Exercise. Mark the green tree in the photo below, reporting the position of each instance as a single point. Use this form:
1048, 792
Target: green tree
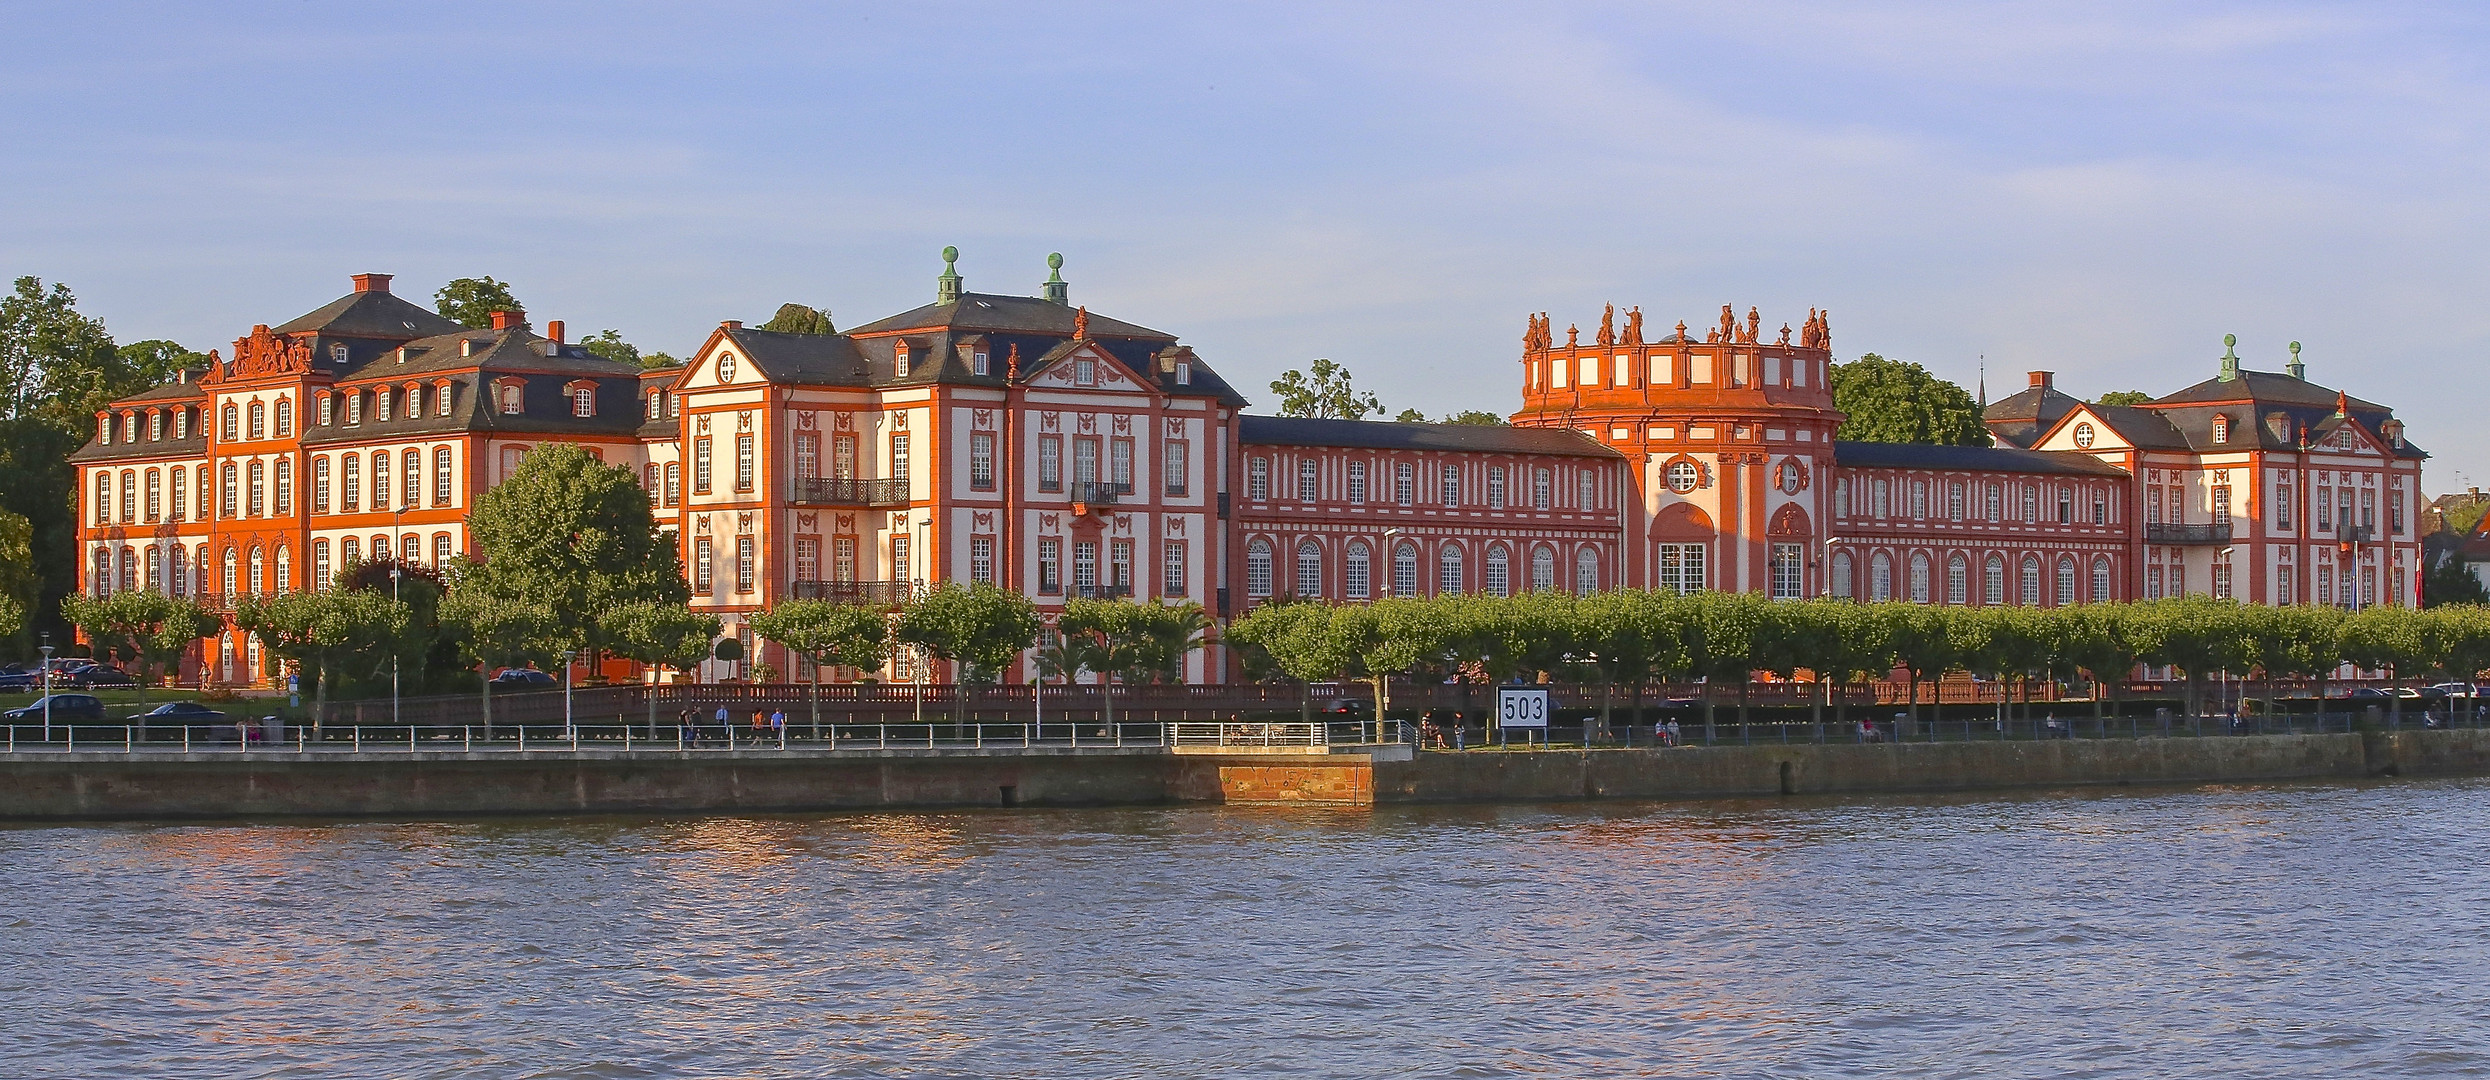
472, 301
609, 345
1298, 639
1726, 644
1471, 417
2463, 638
493, 632
57, 368
2451, 582
1922, 645
2393, 639
2294, 641
2197, 635
799, 319
19, 580
1894, 401
1131, 641
321, 631
1634, 636
576, 537
1323, 391
157, 360
147, 630
2123, 397
2093, 637
2461, 516
826, 633
980, 626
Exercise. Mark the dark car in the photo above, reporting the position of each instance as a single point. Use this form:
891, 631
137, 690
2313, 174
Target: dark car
20, 681
177, 712
1358, 708
66, 708
101, 675
523, 676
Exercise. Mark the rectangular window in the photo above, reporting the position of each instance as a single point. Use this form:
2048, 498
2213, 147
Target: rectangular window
981, 556
743, 461
1586, 490
2221, 504
1495, 487
1404, 483
1085, 567
901, 459
1954, 501
2368, 508
700, 465
903, 566
2100, 508
1050, 566
1452, 485
1996, 503
1681, 568
2394, 511
583, 401
285, 487
350, 493
652, 482
1789, 569
319, 487
1179, 467
1050, 463
1357, 482
1258, 478
980, 461
155, 494
1120, 458
1084, 461
2031, 505
1919, 498
807, 455
703, 568
807, 559
2282, 504
1541, 495
843, 559
1120, 563
2066, 506
441, 476
2152, 505
1172, 568
1841, 497
320, 565
744, 560
2221, 581
1309, 475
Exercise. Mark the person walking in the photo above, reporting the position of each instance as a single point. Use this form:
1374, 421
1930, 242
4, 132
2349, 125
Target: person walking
726, 729
778, 725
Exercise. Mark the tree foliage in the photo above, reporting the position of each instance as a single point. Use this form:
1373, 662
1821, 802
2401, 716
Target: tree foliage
1323, 391
147, 630
799, 319
979, 625
2123, 397
1894, 401
1471, 417
609, 345
472, 301
322, 631
828, 633
576, 537
2451, 582
18, 580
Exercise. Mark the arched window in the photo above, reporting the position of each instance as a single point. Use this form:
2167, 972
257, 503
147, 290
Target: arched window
129, 496
320, 565
285, 568
1448, 579
2066, 579
1586, 571
231, 502
259, 488
259, 572
1309, 569
1993, 581
100, 581
441, 476
1543, 569
285, 417
285, 486
259, 421
440, 549
1405, 570
1499, 571
1880, 577
2031, 581
155, 569
349, 552
1957, 580
380, 481
233, 423
510, 399
350, 485
177, 571
2101, 579
411, 479
1919, 578
233, 574
1842, 585
411, 551
1358, 582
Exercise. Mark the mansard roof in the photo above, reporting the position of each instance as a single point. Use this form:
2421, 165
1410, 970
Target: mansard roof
370, 313
2021, 418
996, 314
1396, 435
1873, 455
512, 350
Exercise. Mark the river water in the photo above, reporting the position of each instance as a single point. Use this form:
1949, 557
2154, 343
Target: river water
2296, 930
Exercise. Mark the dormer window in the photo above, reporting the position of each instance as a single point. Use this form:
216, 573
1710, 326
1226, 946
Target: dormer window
656, 406
181, 423
155, 426
1085, 371
979, 364
380, 405
899, 361
510, 399
583, 399
441, 398
2221, 429
103, 429
337, 353
328, 410
354, 408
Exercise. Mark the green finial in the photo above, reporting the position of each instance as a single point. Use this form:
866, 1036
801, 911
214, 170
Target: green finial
1054, 262
947, 287
2230, 358
2229, 342
2297, 369
1056, 289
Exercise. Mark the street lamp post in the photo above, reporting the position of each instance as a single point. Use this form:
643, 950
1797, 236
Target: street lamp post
47, 688
568, 729
396, 564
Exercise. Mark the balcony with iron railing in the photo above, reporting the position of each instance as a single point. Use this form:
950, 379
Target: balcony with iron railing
1098, 494
869, 593
2163, 532
1099, 592
841, 491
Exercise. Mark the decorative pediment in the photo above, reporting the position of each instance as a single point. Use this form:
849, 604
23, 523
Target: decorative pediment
265, 353
1175, 427
981, 522
807, 522
1175, 525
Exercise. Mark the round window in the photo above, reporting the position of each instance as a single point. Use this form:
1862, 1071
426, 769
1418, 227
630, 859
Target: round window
2083, 435
726, 367
1683, 476
1791, 478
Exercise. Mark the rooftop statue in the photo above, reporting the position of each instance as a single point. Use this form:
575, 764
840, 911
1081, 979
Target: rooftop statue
1608, 325
1785, 333
1634, 327
1754, 324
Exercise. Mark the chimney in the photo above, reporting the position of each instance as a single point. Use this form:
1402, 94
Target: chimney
378, 283
506, 320
2295, 367
2044, 380
730, 324
554, 330
1057, 290
183, 377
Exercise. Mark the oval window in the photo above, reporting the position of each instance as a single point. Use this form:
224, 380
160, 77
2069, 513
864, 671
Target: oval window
1683, 476
1791, 478
2083, 435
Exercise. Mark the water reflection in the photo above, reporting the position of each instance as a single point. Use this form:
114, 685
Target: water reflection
2267, 930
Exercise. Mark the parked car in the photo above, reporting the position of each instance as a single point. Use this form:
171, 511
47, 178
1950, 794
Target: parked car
66, 708
177, 712
2457, 690
101, 675
20, 681
1349, 708
524, 676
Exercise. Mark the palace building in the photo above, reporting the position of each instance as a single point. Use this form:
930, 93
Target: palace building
1022, 441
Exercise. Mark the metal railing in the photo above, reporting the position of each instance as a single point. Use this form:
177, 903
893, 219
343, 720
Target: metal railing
1100, 592
268, 736
840, 491
1095, 494
2173, 533
854, 592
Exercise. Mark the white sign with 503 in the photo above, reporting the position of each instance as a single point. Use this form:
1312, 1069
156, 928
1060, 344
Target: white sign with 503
1521, 708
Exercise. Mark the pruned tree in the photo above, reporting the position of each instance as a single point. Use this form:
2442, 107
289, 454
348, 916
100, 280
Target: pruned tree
321, 631
493, 632
826, 633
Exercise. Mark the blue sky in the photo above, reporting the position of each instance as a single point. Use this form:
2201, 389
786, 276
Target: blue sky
2103, 190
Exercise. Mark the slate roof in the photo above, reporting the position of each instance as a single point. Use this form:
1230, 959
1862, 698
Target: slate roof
2253, 402
992, 313
1871, 455
1394, 435
2022, 418
373, 314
